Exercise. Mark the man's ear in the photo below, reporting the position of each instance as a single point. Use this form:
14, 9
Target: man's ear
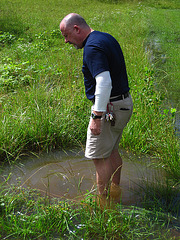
77, 28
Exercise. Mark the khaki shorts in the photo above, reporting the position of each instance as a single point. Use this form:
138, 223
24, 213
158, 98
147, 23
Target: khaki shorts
101, 146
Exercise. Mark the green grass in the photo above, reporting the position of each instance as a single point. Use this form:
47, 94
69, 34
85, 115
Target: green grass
43, 107
164, 40
25, 214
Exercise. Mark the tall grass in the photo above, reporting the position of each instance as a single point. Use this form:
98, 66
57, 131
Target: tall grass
27, 215
43, 107
42, 100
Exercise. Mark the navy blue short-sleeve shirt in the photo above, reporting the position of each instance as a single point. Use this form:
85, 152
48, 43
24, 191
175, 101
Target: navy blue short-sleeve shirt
102, 53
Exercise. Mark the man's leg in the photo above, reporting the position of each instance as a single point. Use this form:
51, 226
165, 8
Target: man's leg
115, 190
104, 172
106, 169
103, 175
116, 162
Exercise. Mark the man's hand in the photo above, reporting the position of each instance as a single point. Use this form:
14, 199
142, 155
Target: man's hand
95, 126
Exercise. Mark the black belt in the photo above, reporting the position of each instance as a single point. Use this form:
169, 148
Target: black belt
120, 97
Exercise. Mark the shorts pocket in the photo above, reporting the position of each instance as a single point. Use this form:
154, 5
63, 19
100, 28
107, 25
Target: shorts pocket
122, 118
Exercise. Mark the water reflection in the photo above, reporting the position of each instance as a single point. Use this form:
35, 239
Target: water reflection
70, 175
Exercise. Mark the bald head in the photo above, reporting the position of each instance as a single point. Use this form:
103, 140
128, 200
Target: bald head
74, 19
74, 29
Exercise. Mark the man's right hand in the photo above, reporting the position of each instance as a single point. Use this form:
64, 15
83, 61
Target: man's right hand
95, 126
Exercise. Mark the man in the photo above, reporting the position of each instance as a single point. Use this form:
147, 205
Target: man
106, 85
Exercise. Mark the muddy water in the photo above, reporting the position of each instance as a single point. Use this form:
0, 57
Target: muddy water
70, 175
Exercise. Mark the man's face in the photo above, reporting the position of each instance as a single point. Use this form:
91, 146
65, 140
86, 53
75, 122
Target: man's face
70, 35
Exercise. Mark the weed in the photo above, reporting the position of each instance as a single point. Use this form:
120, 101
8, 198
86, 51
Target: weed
6, 38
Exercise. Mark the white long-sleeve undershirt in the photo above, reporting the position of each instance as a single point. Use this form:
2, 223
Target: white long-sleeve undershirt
102, 91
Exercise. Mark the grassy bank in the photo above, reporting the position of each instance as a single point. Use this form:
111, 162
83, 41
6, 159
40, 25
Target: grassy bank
42, 99
43, 107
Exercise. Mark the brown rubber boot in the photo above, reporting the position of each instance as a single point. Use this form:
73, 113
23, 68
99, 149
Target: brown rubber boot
115, 193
